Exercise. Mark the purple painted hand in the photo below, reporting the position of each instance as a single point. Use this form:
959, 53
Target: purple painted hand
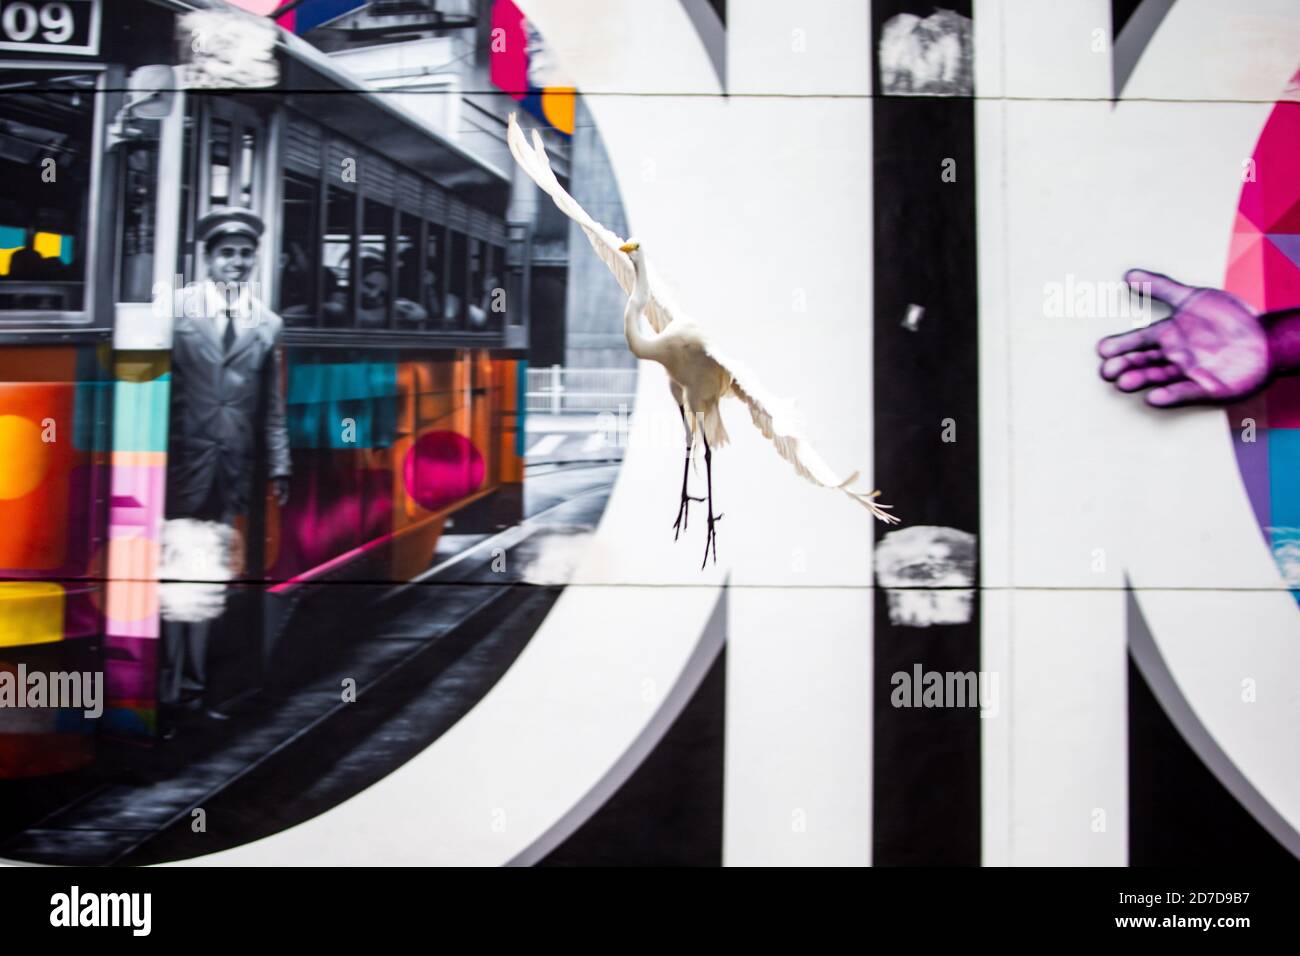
1213, 348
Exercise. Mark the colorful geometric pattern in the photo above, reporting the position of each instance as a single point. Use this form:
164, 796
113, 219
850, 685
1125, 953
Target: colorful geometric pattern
422, 437
138, 485
307, 16
31, 612
313, 13
520, 425
440, 468
344, 405
50, 245
380, 450
514, 70
53, 448
1264, 270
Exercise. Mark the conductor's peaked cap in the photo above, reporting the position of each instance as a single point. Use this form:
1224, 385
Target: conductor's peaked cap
228, 220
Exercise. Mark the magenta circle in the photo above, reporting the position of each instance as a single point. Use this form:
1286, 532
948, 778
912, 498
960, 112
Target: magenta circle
441, 467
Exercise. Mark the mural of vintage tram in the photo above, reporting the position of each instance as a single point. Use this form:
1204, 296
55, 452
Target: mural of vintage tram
403, 290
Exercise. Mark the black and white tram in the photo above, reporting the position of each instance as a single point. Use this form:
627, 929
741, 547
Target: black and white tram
387, 255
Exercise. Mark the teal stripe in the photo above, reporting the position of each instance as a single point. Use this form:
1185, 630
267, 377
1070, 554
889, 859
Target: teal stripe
91, 415
140, 414
521, 407
323, 397
309, 384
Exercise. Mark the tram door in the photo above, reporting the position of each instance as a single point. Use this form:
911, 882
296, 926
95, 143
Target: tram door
225, 163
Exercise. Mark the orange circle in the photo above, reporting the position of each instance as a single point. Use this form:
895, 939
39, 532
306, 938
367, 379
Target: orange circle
557, 104
26, 457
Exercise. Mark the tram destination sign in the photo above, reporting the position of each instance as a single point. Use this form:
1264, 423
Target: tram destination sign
50, 26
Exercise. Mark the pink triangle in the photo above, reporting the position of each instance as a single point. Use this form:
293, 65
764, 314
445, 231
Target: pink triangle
1281, 278
1241, 244
1276, 188
1245, 276
1289, 221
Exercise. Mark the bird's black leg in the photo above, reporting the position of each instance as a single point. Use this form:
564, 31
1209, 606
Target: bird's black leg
683, 510
712, 537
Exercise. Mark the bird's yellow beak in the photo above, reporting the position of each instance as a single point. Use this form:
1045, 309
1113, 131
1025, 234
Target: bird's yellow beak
629, 247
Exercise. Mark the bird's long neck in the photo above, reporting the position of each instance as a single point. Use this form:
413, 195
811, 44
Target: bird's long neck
641, 345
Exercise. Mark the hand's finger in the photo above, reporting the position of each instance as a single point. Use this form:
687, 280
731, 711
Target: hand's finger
1113, 368
1142, 338
1179, 393
1161, 286
1139, 378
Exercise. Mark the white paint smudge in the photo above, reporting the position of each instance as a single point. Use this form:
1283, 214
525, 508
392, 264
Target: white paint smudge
198, 557
927, 57
559, 556
226, 48
927, 572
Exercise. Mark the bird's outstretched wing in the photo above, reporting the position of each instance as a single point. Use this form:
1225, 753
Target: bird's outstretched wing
533, 160
774, 418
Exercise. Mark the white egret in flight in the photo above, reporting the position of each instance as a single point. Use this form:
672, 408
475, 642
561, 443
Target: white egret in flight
700, 376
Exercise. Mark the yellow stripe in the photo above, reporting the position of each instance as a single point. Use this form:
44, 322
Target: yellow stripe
31, 612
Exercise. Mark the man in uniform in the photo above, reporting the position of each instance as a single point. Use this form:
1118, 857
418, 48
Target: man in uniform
227, 405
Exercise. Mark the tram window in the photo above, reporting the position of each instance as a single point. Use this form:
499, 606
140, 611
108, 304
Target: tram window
189, 167
46, 127
479, 297
408, 274
139, 209
219, 163
497, 280
247, 166
299, 250
515, 296
376, 296
453, 314
336, 256
434, 266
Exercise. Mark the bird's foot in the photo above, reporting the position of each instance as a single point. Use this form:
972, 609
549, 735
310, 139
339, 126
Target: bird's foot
683, 514
711, 539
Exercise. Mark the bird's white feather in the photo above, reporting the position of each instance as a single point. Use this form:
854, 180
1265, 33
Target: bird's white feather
659, 311
775, 418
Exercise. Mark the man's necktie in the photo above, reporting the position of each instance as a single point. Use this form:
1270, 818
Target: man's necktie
228, 339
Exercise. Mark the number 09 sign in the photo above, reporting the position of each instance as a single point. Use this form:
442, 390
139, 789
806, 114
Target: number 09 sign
50, 26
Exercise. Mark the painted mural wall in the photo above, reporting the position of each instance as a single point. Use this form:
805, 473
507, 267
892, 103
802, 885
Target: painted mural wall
946, 519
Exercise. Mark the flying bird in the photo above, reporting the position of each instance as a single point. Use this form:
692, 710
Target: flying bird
699, 374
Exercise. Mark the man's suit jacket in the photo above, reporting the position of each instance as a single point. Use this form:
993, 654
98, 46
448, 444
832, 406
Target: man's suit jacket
222, 403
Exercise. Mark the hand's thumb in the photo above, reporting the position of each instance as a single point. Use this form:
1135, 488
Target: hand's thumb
1159, 286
